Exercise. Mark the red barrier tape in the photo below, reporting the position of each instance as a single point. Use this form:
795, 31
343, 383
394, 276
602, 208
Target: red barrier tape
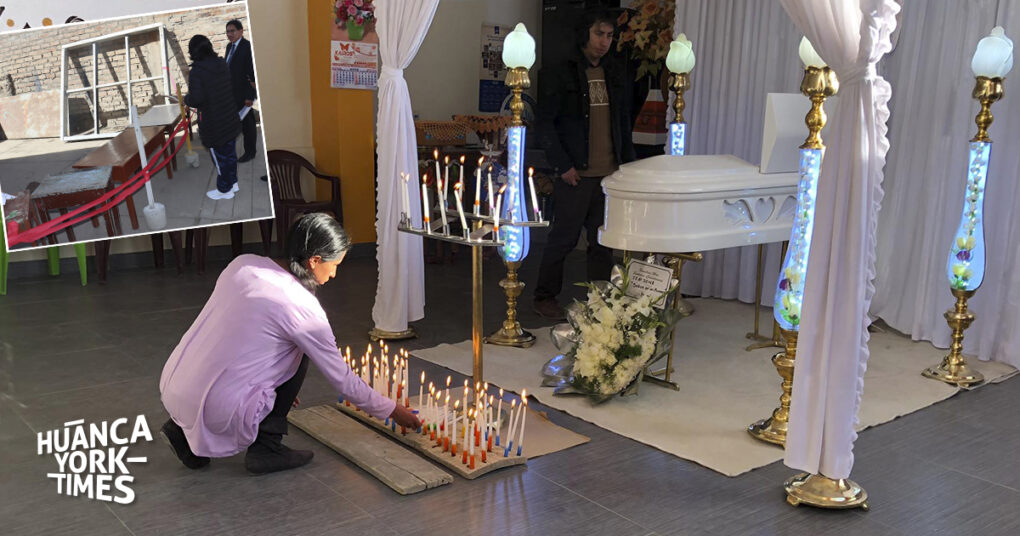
108, 200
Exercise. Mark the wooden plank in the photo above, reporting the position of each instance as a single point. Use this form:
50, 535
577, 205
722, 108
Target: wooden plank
392, 464
422, 444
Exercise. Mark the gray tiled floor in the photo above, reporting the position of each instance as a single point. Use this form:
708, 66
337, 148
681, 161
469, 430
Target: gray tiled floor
97, 352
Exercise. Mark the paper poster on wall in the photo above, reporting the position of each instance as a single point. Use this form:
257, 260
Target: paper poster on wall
354, 46
42, 13
491, 89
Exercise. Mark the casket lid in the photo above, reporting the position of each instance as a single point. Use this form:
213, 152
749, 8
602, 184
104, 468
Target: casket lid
691, 174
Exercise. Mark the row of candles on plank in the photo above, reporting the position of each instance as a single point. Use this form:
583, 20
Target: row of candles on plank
442, 189
446, 425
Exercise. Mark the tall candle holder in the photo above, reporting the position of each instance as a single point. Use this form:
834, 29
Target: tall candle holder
679, 61
965, 267
819, 82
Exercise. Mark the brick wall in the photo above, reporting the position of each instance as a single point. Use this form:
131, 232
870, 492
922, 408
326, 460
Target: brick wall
31, 61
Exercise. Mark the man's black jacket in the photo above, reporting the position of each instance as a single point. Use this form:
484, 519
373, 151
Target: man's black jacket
562, 118
209, 92
242, 72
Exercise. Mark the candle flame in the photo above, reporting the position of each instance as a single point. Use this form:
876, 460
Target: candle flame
462, 159
501, 393
423, 377
457, 187
480, 161
447, 160
501, 189
531, 171
513, 403
448, 382
456, 405
436, 154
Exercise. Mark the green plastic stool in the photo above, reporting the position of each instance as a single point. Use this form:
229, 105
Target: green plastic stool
52, 258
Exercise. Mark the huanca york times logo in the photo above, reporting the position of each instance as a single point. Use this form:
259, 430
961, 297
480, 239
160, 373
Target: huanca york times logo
92, 461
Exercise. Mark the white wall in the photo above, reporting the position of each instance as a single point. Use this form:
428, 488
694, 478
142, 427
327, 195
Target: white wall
443, 78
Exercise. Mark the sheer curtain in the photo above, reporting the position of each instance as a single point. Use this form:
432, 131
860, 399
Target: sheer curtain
400, 291
930, 69
745, 49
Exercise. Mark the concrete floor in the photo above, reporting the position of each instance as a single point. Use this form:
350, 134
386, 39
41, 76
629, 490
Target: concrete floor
96, 353
27, 160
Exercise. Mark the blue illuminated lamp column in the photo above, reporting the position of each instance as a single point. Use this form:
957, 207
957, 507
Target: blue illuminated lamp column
819, 82
518, 56
679, 61
965, 267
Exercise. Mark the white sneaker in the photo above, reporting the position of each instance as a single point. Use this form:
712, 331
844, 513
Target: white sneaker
217, 195
235, 189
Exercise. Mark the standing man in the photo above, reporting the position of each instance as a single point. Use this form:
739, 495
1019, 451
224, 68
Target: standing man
242, 75
584, 126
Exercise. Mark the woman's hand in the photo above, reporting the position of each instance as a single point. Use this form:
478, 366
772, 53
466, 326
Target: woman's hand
405, 417
297, 402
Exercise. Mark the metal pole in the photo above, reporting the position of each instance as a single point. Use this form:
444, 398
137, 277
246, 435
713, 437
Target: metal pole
476, 311
95, 90
127, 58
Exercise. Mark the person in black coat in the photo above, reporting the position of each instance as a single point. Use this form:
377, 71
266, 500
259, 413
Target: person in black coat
210, 92
242, 76
584, 124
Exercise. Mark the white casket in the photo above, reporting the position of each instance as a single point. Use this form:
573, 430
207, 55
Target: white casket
674, 204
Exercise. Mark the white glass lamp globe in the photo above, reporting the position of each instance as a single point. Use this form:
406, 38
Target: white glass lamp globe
993, 57
519, 48
681, 55
808, 54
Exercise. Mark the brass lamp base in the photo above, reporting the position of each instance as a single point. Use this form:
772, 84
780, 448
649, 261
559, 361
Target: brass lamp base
960, 374
773, 429
823, 492
520, 339
377, 334
511, 333
954, 369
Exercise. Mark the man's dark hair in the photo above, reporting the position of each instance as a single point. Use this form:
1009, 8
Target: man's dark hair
317, 234
200, 48
589, 19
236, 24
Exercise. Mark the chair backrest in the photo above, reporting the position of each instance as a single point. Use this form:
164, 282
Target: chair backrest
285, 172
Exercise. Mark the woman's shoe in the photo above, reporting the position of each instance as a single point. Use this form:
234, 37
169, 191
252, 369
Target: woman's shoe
174, 437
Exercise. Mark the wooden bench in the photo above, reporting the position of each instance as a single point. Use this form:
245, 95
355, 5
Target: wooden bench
121, 154
72, 189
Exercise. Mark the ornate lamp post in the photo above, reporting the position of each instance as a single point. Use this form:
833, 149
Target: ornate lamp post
965, 268
679, 61
518, 56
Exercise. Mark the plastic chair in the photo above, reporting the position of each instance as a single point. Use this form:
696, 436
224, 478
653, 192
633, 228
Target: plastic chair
52, 259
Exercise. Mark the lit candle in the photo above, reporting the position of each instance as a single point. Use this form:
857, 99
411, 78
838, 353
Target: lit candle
466, 428
453, 429
440, 188
499, 202
492, 204
421, 389
524, 418
435, 156
510, 429
478, 187
446, 411
461, 169
490, 424
534, 196
499, 416
403, 390
448, 386
460, 206
424, 205
466, 390
446, 179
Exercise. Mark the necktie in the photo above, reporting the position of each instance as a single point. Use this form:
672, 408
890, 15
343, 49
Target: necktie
230, 52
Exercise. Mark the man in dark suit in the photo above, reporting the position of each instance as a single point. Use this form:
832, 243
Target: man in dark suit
242, 75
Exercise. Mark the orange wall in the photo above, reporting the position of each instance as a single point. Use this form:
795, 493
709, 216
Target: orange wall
343, 131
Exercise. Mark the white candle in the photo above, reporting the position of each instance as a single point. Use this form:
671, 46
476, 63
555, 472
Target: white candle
488, 417
492, 202
534, 196
466, 428
448, 386
499, 202
510, 428
405, 199
435, 156
478, 188
446, 413
461, 169
453, 430
446, 180
524, 418
425, 203
421, 389
471, 433
466, 389
440, 188
460, 206
499, 416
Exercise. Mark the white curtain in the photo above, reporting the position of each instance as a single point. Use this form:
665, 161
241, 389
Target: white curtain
400, 292
927, 172
832, 354
744, 49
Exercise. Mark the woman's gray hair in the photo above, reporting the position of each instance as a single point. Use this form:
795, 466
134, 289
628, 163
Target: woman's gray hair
317, 234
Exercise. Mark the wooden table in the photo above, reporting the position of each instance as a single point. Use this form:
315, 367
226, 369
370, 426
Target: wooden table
121, 154
72, 189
